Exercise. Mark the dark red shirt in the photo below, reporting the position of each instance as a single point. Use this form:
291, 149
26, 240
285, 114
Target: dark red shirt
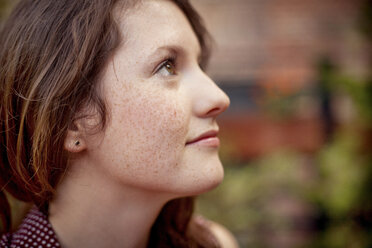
34, 232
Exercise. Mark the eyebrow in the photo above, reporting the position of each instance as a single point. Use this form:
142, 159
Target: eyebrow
175, 49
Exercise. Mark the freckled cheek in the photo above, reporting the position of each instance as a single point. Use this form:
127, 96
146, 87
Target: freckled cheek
156, 130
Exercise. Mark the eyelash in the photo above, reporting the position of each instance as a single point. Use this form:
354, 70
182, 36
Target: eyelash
171, 60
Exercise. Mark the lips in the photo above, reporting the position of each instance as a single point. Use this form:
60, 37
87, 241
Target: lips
208, 138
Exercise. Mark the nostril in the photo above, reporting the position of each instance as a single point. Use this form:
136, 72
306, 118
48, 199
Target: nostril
217, 110
219, 105
214, 111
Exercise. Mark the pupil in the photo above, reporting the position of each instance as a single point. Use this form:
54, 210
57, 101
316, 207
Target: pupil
169, 67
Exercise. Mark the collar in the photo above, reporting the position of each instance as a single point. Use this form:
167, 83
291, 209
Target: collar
35, 231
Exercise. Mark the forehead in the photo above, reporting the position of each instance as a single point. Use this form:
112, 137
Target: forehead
155, 23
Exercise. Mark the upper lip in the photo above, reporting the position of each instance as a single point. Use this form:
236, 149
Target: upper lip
208, 134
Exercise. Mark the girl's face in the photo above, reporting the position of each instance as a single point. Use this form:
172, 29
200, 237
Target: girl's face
160, 101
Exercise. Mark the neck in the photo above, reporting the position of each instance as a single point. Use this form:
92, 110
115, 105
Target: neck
90, 212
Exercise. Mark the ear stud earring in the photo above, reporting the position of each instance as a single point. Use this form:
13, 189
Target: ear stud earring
77, 143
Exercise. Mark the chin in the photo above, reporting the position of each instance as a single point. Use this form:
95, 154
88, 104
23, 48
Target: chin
211, 180
210, 187
214, 183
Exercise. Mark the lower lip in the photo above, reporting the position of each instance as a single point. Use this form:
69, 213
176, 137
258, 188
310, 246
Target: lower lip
210, 142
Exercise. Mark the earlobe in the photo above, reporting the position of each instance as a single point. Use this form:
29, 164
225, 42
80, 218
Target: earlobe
74, 145
74, 141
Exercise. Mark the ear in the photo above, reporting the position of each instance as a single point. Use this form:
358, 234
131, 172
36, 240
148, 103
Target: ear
75, 139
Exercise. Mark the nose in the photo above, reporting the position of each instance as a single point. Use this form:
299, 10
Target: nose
209, 99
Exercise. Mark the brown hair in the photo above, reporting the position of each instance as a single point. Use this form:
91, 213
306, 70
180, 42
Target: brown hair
51, 54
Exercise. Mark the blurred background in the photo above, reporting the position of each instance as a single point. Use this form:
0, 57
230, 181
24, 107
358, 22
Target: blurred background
297, 139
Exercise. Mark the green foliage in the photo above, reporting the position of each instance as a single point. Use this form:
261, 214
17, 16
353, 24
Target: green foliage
267, 196
343, 179
248, 196
359, 90
342, 175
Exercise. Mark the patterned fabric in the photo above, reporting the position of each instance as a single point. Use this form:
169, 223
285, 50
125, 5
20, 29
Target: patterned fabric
34, 232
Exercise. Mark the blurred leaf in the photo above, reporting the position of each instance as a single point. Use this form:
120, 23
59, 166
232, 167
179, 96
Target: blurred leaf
342, 175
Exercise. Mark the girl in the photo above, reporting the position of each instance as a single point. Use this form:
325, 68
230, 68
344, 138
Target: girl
108, 124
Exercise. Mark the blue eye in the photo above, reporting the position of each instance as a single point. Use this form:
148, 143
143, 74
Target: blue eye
167, 68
